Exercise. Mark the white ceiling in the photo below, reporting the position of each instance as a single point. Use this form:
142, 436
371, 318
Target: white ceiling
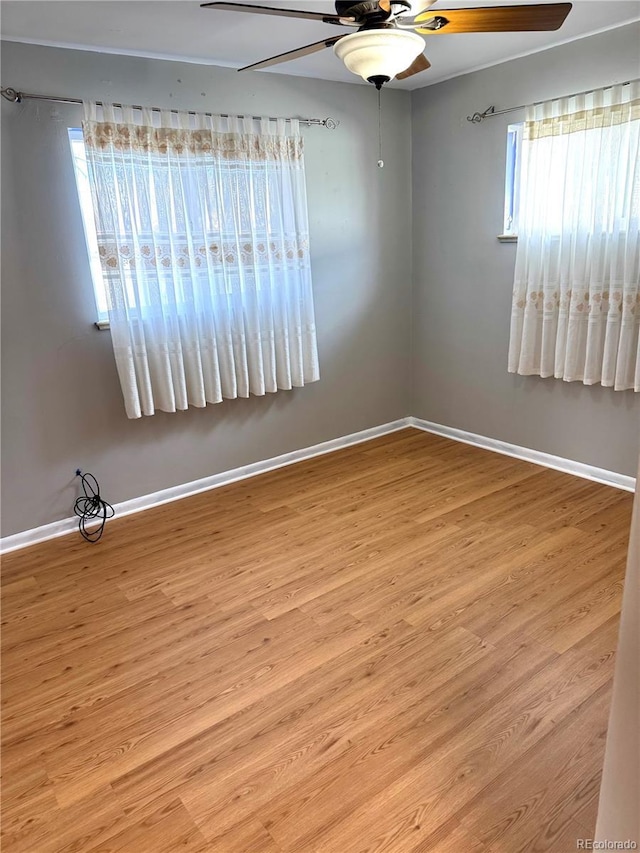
183, 31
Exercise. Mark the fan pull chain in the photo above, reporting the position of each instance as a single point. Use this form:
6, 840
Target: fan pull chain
380, 160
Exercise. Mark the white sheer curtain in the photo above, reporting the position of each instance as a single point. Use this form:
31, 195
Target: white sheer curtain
203, 238
576, 299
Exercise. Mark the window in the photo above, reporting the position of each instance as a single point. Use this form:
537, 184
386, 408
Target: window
197, 237
512, 180
576, 295
81, 170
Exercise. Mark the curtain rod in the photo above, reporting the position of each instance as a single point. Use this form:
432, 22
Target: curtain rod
16, 97
490, 112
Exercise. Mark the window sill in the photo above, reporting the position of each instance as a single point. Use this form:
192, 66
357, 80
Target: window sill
102, 325
508, 238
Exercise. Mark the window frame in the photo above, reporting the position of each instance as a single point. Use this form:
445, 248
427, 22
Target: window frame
513, 165
83, 189
85, 199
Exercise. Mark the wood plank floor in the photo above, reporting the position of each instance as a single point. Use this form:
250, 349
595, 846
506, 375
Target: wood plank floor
404, 646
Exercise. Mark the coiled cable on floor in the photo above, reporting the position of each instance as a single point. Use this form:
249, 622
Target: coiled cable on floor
91, 508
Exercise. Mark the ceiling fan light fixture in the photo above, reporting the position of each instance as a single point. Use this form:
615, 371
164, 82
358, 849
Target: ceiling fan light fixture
377, 54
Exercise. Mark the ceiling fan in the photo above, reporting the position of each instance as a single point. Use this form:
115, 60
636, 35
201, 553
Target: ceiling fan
387, 41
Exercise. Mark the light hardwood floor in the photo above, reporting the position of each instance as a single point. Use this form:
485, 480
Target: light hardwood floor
404, 646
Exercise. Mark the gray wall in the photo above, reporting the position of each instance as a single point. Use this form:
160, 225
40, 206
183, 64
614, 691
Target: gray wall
463, 276
62, 406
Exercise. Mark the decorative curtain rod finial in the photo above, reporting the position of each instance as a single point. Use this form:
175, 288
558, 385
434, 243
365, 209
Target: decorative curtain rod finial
476, 118
12, 95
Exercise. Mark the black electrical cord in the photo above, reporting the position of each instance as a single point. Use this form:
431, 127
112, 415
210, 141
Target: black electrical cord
91, 507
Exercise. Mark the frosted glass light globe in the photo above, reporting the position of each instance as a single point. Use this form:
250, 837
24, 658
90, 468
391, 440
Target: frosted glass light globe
379, 53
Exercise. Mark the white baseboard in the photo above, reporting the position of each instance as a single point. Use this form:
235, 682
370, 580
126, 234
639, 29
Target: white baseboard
547, 460
68, 525
568, 466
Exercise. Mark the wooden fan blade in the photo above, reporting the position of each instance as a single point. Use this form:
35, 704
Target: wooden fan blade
292, 54
284, 13
495, 19
418, 65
